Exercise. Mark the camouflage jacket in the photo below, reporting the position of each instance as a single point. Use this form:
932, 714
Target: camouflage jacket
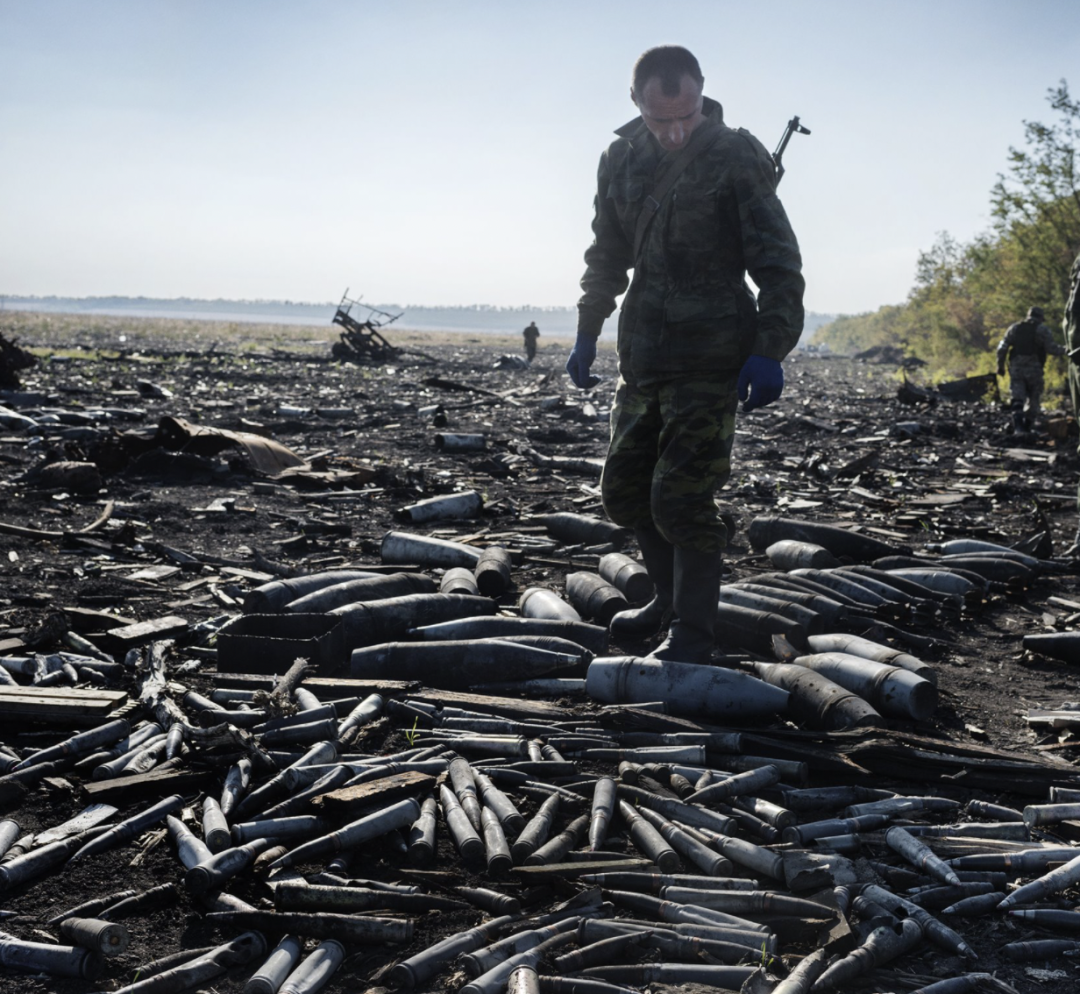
1022, 339
688, 309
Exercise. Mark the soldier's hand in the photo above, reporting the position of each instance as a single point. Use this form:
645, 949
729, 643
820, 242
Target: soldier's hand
761, 381
581, 359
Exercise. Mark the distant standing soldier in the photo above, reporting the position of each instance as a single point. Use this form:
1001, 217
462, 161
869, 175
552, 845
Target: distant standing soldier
1025, 346
530, 334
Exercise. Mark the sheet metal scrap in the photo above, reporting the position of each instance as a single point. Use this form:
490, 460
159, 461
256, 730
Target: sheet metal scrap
266, 455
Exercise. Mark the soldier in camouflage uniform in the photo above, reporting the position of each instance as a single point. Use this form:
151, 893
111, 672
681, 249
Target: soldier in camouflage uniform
690, 205
1025, 346
529, 335
1071, 326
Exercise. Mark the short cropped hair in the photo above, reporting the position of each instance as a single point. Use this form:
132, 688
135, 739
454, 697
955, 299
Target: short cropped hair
668, 63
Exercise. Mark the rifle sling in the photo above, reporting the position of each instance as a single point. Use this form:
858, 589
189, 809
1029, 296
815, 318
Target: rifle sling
707, 134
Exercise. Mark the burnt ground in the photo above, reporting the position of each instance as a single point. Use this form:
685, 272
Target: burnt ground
840, 447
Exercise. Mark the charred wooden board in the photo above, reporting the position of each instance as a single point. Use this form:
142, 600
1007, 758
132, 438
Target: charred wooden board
58, 703
130, 636
510, 707
85, 619
149, 786
627, 716
321, 685
324, 687
375, 793
908, 756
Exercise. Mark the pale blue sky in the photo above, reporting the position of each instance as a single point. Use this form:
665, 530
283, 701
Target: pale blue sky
445, 152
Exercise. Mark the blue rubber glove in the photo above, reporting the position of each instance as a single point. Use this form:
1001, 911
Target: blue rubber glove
761, 380
581, 358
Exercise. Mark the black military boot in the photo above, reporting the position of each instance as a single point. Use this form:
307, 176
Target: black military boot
692, 637
659, 557
1019, 422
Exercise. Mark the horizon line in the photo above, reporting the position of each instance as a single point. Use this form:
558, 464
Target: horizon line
12, 297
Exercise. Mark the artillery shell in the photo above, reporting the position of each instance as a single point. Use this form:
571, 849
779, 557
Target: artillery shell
99, 936
278, 965
499, 861
422, 833
215, 827
919, 855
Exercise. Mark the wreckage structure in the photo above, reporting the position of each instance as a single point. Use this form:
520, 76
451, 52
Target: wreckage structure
361, 340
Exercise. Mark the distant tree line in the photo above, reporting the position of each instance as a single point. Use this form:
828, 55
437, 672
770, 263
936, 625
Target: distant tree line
966, 295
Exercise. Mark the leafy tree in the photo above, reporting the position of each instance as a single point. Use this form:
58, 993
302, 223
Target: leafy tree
854, 333
966, 295
1036, 211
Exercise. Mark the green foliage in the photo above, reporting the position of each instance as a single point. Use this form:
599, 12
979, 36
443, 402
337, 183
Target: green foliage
966, 295
1036, 210
853, 333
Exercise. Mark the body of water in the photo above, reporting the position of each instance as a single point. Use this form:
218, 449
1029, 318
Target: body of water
556, 322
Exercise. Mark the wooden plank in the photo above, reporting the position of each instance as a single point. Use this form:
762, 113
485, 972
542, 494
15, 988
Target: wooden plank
148, 786
47, 710
160, 571
375, 793
321, 686
907, 756
512, 706
966, 470
939, 500
12, 647
84, 619
350, 687
58, 701
194, 584
248, 574
83, 692
130, 636
884, 533
869, 496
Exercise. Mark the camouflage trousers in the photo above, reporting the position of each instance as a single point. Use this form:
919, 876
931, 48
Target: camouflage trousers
670, 451
1026, 383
